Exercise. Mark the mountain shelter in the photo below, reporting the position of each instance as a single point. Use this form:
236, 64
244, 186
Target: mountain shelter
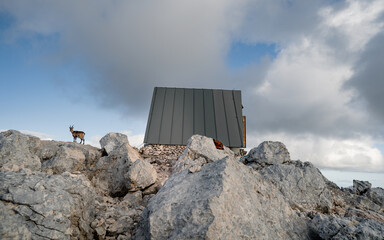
178, 113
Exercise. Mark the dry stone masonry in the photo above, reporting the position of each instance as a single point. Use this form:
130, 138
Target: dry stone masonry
163, 158
61, 190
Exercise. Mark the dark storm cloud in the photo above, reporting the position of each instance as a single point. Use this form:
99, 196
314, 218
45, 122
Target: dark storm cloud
368, 79
279, 21
127, 48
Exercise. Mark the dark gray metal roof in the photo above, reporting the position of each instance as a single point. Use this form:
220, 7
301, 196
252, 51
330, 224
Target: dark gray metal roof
178, 113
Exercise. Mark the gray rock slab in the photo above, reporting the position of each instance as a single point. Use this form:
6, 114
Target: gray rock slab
199, 151
302, 184
12, 226
268, 152
111, 141
361, 187
336, 227
368, 214
42, 206
224, 200
377, 196
140, 175
110, 172
69, 157
17, 149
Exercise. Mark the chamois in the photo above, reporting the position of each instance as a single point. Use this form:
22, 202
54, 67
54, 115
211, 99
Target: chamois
77, 134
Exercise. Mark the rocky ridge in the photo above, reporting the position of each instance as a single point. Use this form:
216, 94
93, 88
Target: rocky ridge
60, 190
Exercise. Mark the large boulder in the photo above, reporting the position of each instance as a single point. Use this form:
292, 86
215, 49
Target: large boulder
40, 206
59, 157
18, 150
302, 184
267, 153
140, 175
361, 187
224, 200
200, 150
112, 141
113, 173
376, 195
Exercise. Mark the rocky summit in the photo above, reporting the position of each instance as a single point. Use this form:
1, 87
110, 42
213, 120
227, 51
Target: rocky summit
65, 190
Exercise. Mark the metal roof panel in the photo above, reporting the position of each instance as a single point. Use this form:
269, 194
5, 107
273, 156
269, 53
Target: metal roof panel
177, 120
178, 113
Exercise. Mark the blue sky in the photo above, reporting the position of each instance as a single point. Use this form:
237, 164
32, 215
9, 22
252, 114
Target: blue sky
242, 55
45, 96
307, 79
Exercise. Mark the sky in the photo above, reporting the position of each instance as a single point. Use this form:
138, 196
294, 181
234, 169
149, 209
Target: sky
310, 71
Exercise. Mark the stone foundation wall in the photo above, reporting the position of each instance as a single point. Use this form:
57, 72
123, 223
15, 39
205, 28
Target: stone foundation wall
162, 157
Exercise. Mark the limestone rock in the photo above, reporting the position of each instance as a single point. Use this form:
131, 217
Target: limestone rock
267, 153
368, 214
63, 157
302, 184
121, 160
209, 196
345, 198
117, 219
18, 150
361, 187
133, 199
48, 149
66, 160
110, 171
140, 175
334, 227
194, 169
111, 141
200, 150
125, 151
39, 205
377, 196
224, 200
12, 226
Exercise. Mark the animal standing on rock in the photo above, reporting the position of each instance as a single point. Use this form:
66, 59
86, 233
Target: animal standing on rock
77, 134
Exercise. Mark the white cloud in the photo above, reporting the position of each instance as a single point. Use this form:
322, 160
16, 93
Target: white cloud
94, 141
357, 154
135, 140
42, 136
345, 178
357, 22
302, 91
